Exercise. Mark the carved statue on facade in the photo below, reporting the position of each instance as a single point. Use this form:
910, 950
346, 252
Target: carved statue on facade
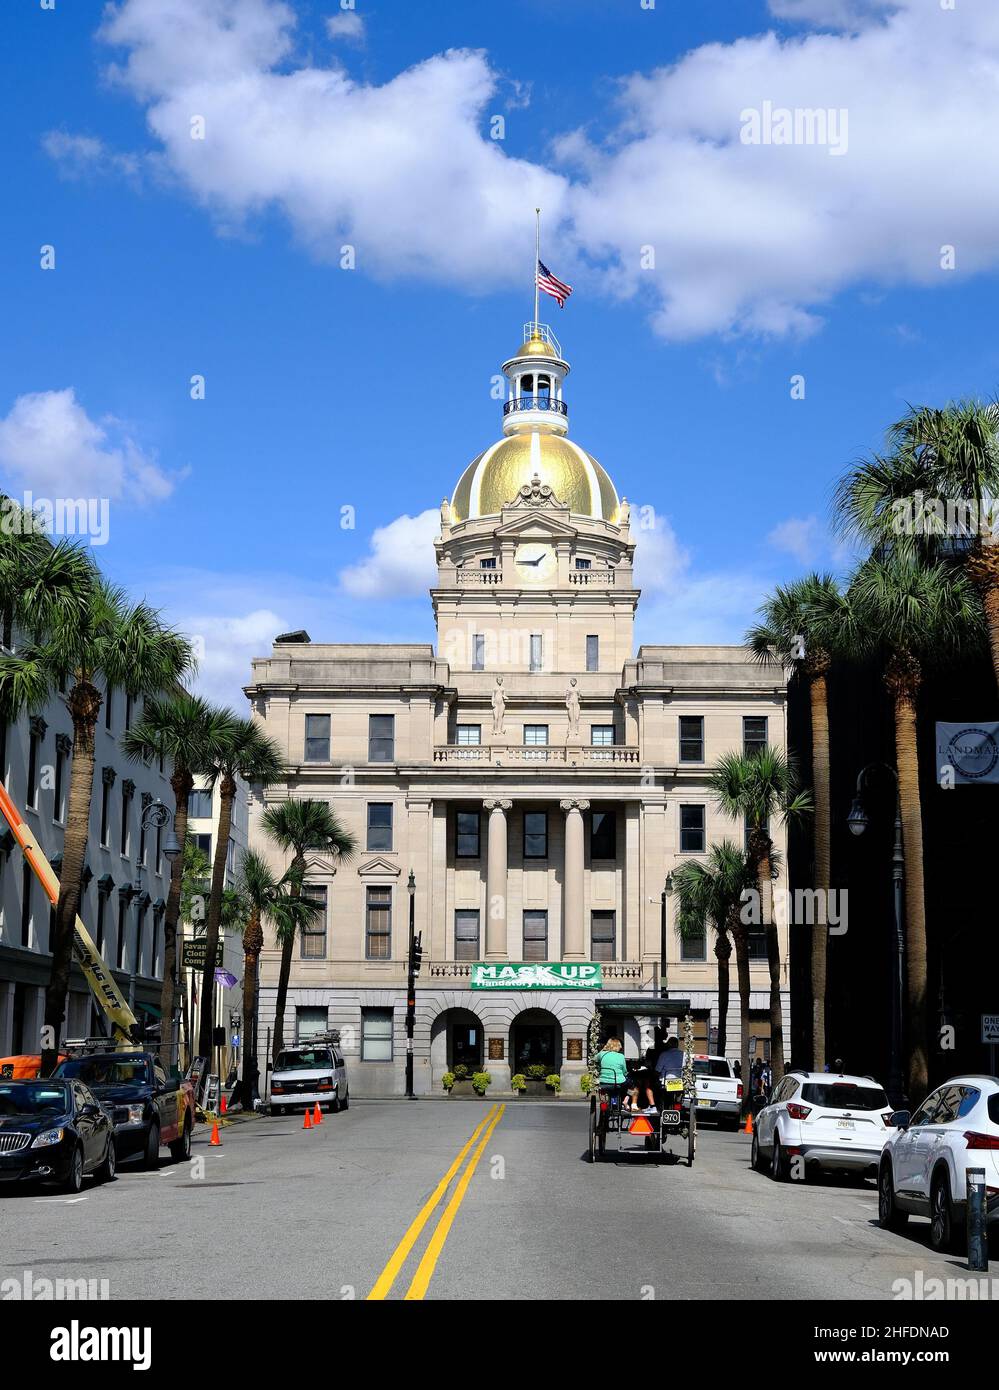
572, 706
499, 706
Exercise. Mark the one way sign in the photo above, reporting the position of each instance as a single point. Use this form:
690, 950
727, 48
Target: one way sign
990, 1028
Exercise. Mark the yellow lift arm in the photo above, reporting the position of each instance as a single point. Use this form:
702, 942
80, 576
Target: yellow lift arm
85, 953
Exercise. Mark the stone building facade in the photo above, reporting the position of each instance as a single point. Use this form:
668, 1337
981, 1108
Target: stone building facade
538, 779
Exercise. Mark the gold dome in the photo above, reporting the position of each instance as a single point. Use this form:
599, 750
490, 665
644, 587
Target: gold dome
495, 476
537, 347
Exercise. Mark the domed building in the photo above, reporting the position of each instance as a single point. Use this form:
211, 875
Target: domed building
522, 792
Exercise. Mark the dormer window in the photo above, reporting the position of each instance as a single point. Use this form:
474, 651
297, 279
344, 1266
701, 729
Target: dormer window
487, 562
583, 564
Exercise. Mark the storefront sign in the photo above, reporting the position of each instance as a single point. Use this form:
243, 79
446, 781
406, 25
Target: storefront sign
495, 1049
967, 753
537, 975
192, 953
574, 1049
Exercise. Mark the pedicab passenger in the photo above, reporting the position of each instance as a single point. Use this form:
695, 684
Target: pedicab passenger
613, 1068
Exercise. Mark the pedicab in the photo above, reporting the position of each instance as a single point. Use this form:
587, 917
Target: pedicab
668, 1131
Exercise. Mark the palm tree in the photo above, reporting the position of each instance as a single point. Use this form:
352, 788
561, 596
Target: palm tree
915, 615
261, 888
758, 789
188, 734
290, 912
801, 627
246, 752
75, 638
301, 827
711, 895
939, 460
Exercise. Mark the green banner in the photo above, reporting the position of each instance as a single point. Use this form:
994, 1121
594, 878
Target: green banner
536, 975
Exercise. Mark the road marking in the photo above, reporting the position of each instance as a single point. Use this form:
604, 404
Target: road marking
64, 1201
425, 1269
400, 1254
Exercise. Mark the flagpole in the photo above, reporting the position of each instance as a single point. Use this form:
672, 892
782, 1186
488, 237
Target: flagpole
537, 261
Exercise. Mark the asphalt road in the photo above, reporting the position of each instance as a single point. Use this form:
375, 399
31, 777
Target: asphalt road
278, 1213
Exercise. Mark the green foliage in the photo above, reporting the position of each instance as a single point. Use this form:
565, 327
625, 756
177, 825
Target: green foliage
185, 731
194, 883
586, 1083
308, 826
553, 1082
448, 1080
461, 1071
709, 894
800, 622
518, 1082
480, 1081
761, 788
536, 1071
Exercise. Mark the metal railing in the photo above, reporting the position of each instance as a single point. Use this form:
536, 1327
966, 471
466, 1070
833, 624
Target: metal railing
535, 403
534, 753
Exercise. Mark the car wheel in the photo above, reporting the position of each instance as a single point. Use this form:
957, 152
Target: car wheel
74, 1178
277, 1110
335, 1103
151, 1153
942, 1224
889, 1216
755, 1157
180, 1149
778, 1162
108, 1170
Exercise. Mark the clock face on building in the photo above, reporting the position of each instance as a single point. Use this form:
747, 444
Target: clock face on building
535, 563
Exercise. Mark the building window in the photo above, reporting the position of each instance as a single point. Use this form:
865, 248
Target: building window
127, 790
603, 835
467, 834
381, 738
537, 651
691, 738
378, 924
478, 651
310, 1022
466, 935
535, 735
145, 803
27, 885
203, 841
602, 933
313, 933
317, 738
693, 947
468, 735
159, 849
692, 829
129, 708
230, 856
122, 924
601, 735
376, 1035
199, 805
108, 707
593, 652
583, 564
101, 901
754, 734
37, 727
379, 825
108, 776
535, 935
536, 836
757, 944
487, 562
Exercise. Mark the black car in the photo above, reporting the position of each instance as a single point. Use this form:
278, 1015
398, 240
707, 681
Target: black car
146, 1107
54, 1131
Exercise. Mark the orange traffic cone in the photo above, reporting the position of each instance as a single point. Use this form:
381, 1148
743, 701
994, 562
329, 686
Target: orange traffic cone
222, 1106
307, 1123
748, 1126
216, 1140
317, 1118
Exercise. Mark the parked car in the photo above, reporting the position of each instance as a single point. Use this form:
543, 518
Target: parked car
54, 1131
312, 1074
719, 1091
831, 1122
146, 1107
923, 1170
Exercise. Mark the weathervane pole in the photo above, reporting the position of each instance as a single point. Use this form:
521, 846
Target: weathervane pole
537, 262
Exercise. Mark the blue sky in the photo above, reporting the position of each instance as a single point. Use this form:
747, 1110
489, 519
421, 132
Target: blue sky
369, 388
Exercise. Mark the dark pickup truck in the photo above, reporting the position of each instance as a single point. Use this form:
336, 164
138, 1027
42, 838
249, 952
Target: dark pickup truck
146, 1107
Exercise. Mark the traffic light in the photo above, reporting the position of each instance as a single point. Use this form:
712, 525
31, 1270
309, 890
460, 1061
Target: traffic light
417, 953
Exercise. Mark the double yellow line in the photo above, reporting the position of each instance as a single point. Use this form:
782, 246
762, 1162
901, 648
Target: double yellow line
425, 1269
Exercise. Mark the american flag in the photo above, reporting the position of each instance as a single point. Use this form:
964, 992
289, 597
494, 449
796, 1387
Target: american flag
550, 284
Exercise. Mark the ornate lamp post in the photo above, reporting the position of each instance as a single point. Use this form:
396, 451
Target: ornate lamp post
155, 815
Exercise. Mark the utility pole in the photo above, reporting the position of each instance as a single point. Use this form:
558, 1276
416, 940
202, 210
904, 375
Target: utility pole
415, 956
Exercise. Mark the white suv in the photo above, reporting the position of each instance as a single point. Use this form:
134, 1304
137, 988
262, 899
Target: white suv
925, 1162
312, 1074
828, 1121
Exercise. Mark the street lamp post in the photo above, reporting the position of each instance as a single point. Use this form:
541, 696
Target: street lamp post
155, 816
858, 821
412, 968
667, 889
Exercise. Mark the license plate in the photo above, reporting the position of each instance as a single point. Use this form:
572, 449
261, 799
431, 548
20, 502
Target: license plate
671, 1117
845, 1124
703, 1102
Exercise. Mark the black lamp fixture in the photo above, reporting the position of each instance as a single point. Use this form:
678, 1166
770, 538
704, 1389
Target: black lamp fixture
858, 820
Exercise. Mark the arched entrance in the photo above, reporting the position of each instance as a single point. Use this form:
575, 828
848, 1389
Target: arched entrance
456, 1039
535, 1040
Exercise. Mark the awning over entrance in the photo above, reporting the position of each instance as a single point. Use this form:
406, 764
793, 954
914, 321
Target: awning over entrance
651, 1008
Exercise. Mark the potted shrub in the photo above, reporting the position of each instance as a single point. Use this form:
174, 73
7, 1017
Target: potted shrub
462, 1081
447, 1081
480, 1081
554, 1082
518, 1084
535, 1075
586, 1083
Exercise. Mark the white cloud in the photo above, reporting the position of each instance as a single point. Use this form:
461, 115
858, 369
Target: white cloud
49, 444
80, 156
800, 536
660, 559
348, 25
401, 562
752, 239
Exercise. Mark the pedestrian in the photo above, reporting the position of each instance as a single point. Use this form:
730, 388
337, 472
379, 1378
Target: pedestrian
737, 1068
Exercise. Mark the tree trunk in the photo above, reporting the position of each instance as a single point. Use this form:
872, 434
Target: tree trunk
740, 937
820, 929
227, 793
723, 950
773, 960
903, 681
983, 567
182, 782
84, 704
287, 947
252, 942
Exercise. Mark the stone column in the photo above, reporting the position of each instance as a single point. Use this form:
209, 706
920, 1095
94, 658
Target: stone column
496, 869
573, 934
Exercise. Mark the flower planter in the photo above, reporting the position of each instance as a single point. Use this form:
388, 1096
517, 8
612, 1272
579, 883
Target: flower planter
462, 1088
535, 1086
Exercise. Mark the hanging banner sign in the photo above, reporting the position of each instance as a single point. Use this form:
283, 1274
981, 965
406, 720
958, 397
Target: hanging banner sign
967, 753
537, 975
192, 954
